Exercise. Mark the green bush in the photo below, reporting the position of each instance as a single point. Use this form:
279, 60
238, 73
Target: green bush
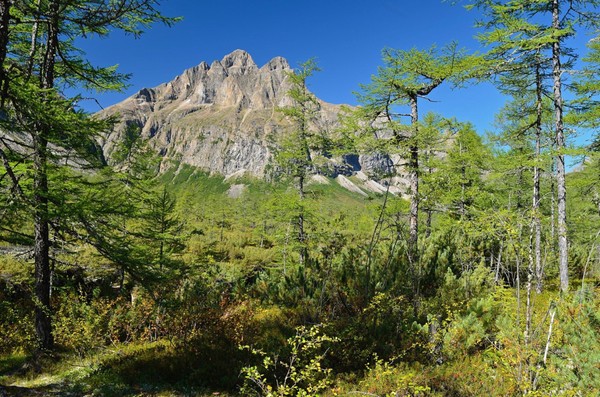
299, 371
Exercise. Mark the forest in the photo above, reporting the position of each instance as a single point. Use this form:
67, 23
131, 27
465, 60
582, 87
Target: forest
137, 276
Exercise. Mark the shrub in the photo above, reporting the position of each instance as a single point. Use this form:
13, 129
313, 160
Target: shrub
300, 371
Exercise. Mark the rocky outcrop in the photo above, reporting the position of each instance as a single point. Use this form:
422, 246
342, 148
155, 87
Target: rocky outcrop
349, 185
223, 118
220, 117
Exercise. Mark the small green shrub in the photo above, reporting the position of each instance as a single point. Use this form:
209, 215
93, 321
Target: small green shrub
298, 372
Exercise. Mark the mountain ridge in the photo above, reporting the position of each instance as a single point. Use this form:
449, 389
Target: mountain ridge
223, 118
220, 117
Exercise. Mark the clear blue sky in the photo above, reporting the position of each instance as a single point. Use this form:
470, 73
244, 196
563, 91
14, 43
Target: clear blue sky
345, 36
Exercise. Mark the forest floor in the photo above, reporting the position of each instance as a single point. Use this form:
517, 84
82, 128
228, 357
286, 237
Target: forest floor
125, 370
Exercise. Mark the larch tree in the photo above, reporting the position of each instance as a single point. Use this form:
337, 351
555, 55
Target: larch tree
406, 78
467, 159
530, 111
162, 228
587, 87
519, 27
435, 131
521, 71
42, 132
299, 149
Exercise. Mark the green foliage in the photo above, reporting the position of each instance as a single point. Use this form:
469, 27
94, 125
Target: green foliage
84, 327
573, 362
300, 371
387, 328
16, 327
465, 321
385, 379
172, 275
47, 142
587, 87
298, 152
405, 76
453, 168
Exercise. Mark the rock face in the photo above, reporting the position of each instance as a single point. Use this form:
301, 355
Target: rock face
223, 118
220, 117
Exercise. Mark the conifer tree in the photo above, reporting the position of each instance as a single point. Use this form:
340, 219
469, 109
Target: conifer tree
518, 29
435, 131
299, 149
42, 131
162, 228
405, 79
466, 161
587, 87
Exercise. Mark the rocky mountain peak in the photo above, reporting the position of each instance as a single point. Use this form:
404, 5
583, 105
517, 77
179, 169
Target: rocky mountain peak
223, 119
220, 117
203, 67
238, 62
277, 63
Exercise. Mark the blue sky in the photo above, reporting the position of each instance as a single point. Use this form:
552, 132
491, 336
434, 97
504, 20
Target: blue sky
345, 36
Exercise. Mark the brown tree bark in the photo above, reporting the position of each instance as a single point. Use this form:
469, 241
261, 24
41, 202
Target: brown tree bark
43, 323
5, 6
43, 308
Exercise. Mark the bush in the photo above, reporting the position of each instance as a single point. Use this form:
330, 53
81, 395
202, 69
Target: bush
300, 371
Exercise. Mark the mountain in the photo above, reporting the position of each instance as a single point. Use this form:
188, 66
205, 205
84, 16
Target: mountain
220, 117
223, 118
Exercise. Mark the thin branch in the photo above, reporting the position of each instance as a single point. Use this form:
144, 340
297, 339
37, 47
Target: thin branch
15, 181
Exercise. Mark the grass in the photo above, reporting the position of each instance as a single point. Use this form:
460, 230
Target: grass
183, 177
150, 369
11, 363
162, 369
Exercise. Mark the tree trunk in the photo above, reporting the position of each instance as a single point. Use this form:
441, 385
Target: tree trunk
43, 323
413, 176
429, 210
498, 264
463, 178
520, 183
537, 225
529, 308
553, 207
413, 172
301, 233
5, 6
428, 221
563, 259
34, 40
43, 310
304, 171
